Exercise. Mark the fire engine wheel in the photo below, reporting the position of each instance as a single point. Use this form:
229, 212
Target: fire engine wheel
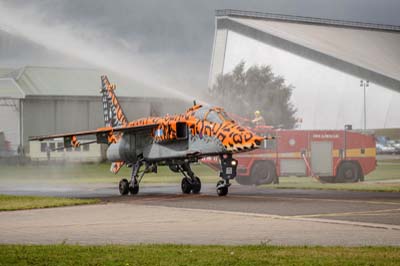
123, 187
196, 187
263, 173
186, 186
348, 172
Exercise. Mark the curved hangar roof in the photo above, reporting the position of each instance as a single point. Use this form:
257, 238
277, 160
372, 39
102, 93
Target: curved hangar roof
64, 81
370, 51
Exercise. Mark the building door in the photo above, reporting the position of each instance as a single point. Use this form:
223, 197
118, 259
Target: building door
321, 158
9, 124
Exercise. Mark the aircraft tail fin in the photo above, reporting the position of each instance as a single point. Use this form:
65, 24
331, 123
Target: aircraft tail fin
113, 114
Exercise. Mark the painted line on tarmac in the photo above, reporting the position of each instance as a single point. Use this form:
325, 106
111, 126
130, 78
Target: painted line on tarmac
347, 213
291, 218
315, 199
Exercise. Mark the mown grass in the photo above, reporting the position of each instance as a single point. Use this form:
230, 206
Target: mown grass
386, 178
12, 203
195, 255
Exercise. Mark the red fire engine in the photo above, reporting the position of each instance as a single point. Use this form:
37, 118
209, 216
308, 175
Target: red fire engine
329, 155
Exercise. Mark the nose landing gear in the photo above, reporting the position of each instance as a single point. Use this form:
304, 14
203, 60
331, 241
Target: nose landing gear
228, 171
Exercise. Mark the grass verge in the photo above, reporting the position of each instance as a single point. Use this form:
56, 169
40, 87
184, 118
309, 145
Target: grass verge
13, 203
386, 178
195, 255
312, 184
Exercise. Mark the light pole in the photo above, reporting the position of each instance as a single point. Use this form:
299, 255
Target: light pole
364, 84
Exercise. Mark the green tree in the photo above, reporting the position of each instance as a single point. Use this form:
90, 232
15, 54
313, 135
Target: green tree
257, 88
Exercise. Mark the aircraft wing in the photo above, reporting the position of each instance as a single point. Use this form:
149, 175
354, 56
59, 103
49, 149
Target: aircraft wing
103, 135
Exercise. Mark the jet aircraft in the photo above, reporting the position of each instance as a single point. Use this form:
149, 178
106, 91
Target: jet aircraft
173, 140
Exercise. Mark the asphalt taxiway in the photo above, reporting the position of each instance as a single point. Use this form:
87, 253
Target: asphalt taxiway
248, 215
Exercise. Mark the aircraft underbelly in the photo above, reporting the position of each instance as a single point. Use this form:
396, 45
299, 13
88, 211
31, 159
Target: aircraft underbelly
195, 146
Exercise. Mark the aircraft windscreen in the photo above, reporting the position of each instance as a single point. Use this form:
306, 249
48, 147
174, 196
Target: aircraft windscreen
199, 114
213, 117
225, 116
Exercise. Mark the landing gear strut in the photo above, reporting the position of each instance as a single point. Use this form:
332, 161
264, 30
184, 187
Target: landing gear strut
132, 187
190, 182
228, 171
134, 184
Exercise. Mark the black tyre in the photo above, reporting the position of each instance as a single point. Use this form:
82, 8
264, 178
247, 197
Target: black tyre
186, 186
196, 187
134, 189
221, 191
263, 173
123, 187
348, 172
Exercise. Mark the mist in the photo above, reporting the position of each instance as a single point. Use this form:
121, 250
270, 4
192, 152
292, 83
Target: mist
166, 45
161, 43
92, 47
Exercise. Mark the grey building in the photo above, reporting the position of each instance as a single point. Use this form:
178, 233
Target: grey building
38, 100
323, 59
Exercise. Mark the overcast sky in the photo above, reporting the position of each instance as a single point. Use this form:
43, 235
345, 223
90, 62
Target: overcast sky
171, 38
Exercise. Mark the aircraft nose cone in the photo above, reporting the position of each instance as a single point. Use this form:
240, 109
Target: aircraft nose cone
250, 141
258, 140
241, 139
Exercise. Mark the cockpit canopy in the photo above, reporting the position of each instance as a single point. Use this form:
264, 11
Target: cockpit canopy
214, 115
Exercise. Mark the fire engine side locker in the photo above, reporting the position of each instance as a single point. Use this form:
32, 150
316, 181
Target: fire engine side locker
321, 158
288, 150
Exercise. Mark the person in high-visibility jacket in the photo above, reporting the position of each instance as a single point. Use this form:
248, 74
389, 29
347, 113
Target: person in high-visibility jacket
258, 119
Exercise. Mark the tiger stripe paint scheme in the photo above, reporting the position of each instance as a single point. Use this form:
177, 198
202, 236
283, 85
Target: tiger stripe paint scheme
233, 137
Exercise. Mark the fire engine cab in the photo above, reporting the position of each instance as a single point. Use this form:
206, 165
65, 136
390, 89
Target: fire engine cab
338, 156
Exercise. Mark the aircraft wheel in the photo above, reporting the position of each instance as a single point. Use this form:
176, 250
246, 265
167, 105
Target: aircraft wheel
134, 189
186, 186
123, 187
221, 191
197, 186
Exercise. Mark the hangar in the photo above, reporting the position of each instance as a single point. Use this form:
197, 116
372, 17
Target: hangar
325, 60
38, 100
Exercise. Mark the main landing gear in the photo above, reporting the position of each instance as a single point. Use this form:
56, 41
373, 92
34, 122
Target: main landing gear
190, 182
132, 187
228, 171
